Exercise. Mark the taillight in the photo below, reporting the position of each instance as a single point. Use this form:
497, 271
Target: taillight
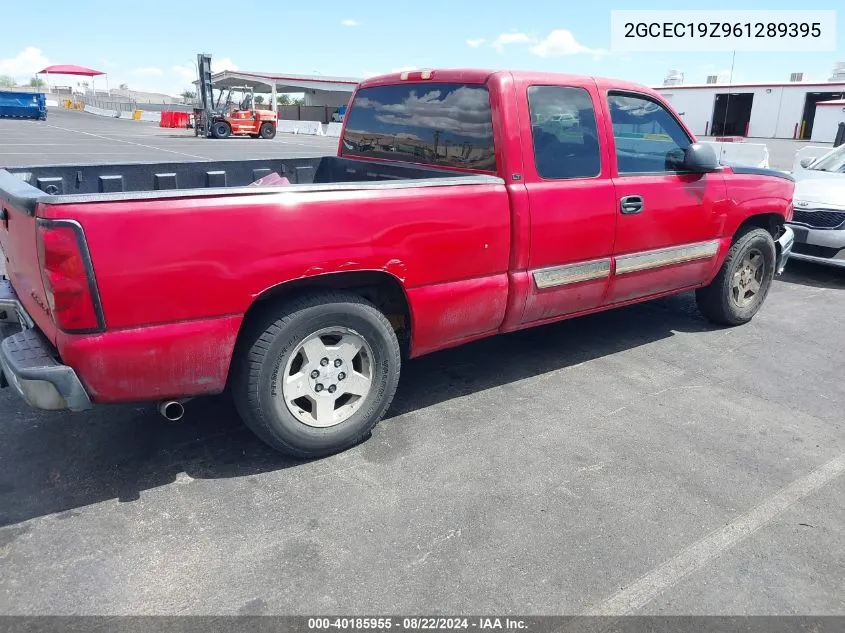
66, 279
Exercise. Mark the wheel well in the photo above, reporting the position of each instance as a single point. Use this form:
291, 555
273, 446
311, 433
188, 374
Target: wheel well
380, 288
772, 222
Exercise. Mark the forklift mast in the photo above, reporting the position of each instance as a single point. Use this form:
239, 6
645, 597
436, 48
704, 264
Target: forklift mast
206, 92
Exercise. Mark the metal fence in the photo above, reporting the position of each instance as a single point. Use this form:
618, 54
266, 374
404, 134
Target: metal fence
127, 105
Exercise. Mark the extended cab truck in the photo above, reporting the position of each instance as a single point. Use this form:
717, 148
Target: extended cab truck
461, 204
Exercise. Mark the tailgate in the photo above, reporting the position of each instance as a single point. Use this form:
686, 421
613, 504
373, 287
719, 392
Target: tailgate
19, 248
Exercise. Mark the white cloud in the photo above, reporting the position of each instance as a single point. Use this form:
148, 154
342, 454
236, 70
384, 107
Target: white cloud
25, 64
219, 65
561, 42
107, 63
349, 22
626, 58
476, 43
510, 38
186, 72
149, 71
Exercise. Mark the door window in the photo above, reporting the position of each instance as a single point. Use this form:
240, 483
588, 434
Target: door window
563, 128
648, 138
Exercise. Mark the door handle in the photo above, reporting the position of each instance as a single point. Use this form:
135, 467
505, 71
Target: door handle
629, 205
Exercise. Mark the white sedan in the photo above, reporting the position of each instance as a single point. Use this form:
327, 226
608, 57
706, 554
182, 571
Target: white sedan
819, 201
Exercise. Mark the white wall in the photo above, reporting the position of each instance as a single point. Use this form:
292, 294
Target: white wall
767, 111
826, 122
792, 110
326, 98
774, 111
694, 105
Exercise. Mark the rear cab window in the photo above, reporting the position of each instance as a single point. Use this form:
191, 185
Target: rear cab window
564, 132
443, 124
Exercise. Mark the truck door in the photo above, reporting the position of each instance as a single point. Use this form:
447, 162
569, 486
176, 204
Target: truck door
668, 222
571, 199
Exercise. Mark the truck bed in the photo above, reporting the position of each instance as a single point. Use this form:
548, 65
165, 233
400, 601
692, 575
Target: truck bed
88, 183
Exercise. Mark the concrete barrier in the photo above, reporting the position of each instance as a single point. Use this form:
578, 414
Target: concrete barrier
313, 128
811, 151
333, 129
285, 126
125, 115
754, 154
152, 117
100, 111
52, 103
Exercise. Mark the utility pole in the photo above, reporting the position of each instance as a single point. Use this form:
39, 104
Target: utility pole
730, 85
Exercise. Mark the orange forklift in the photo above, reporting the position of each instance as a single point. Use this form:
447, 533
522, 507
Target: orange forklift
224, 117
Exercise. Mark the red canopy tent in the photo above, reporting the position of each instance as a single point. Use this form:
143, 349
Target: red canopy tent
70, 69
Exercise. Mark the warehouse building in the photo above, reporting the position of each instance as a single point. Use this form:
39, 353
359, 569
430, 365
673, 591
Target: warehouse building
760, 110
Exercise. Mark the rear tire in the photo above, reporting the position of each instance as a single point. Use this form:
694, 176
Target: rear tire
743, 282
220, 129
268, 130
298, 381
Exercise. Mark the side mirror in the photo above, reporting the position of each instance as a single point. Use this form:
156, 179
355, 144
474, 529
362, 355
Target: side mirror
806, 162
700, 159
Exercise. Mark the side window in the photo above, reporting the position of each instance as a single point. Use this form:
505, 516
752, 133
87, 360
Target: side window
563, 127
648, 138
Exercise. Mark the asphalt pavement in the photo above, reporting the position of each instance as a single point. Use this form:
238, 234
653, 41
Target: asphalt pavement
635, 461
68, 136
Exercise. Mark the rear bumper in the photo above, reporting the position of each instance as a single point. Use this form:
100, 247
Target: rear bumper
29, 366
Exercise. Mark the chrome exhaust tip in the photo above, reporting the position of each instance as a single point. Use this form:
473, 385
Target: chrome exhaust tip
172, 410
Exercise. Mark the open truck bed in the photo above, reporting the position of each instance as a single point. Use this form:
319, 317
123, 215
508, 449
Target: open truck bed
88, 183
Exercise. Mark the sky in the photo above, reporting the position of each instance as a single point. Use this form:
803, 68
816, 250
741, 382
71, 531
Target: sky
152, 44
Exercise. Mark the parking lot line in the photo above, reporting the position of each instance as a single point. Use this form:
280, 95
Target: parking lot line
106, 138
651, 585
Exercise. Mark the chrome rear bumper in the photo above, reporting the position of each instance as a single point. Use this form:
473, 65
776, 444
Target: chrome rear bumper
28, 363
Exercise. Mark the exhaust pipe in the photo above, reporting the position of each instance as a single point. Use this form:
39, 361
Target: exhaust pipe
172, 410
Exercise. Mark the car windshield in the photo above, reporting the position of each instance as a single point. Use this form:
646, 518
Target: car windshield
832, 161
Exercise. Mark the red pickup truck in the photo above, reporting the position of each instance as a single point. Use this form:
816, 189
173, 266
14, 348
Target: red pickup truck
461, 204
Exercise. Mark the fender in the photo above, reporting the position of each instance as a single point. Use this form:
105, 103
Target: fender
764, 206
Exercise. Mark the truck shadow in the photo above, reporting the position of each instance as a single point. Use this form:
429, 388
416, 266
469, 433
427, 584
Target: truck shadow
55, 463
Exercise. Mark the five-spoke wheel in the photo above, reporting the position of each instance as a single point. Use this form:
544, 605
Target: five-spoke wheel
328, 377
747, 281
742, 283
313, 376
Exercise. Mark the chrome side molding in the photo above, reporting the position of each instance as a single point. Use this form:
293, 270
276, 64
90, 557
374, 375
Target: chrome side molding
571, 273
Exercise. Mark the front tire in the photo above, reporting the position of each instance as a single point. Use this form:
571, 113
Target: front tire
315, 377
221, 130
743, 282
267, 131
